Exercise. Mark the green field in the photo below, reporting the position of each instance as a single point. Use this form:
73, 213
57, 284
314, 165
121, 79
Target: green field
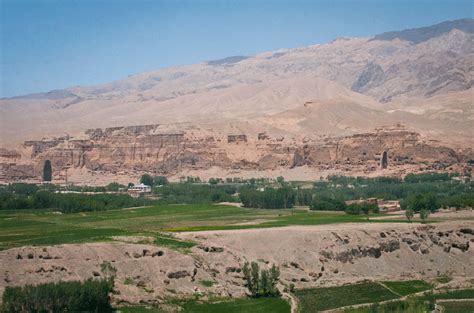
44, 227
458, 306
451, 294
407, 306
260, 305
318, 299
405, 288
326, 298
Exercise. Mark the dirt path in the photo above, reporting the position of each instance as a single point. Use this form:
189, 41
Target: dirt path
290, 298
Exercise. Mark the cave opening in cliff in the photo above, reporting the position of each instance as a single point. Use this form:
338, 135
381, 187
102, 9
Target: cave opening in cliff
384, 160
47, 171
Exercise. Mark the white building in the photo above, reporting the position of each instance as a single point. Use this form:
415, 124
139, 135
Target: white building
139, 189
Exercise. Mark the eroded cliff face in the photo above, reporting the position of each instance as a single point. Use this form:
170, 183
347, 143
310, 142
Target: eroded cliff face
146, 149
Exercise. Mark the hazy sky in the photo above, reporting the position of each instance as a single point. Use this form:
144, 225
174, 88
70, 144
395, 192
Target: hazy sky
52, 44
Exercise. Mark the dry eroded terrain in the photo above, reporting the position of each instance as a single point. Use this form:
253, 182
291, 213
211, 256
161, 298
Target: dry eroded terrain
308, 256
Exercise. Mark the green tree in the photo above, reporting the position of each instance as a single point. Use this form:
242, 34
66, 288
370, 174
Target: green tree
43, 199
265, 283
213, 181
146, 179
366, 210
274, 277
417, 202
255, 271
247, 275
114, 186
431, 203
424, 213
409, 214
160, 181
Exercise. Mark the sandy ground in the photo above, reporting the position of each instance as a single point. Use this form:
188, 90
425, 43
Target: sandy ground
308, 256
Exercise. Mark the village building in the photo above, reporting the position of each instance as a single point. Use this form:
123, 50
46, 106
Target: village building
139, 190
388, 206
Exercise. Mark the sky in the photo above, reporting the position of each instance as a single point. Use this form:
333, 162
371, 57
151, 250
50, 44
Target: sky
55, 44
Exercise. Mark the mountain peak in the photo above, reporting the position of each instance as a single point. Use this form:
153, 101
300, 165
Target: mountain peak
417, 35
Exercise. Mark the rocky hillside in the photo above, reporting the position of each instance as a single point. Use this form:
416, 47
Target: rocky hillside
330, 255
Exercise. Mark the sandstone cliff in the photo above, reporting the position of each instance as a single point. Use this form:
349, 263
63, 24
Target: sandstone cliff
145, 149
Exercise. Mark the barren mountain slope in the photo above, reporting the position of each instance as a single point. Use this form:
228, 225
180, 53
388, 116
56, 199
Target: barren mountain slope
390, 71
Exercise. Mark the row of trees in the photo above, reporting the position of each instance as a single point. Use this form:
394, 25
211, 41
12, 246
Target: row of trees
447, 192
410, 214
68, 203
270, 198
362, 208
327, 203
73, 296
192, 193
153, 181
421, 201
429, 191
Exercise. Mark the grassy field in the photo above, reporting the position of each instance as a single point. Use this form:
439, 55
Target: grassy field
405, 288
318, 299
260, 305
43, 227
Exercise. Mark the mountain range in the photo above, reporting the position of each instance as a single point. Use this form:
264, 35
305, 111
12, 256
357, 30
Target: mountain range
419, 77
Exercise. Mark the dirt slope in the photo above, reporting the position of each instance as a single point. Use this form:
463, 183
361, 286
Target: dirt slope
307, 256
